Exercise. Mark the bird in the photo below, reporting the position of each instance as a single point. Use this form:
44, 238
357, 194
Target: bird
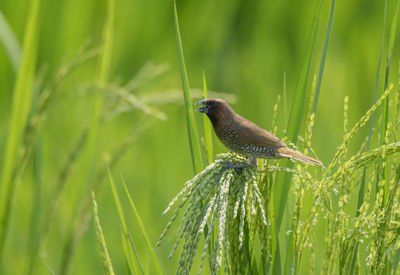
244, 137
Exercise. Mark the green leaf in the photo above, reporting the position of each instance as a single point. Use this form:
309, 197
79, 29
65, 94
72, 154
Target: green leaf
142, 230
207, 126
125, 232
296, 115
191, 123
10, 42
20, 108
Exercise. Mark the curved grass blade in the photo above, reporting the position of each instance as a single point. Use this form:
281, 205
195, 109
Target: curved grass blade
289, 254
125, 232
392, 40
19, 113
89, 149
191, 123
141, 226
102, 73
324, 51
362, 184
296, 114
10, 42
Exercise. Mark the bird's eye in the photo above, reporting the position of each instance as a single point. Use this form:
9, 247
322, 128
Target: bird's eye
213, 103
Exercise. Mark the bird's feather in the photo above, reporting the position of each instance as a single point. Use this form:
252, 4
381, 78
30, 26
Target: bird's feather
250, 133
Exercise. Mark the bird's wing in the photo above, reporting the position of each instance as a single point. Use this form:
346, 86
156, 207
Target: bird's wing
250, 133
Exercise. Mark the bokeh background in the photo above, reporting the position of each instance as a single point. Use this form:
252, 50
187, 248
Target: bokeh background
250, 49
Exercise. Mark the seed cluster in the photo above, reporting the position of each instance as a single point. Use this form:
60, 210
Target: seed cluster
221, 204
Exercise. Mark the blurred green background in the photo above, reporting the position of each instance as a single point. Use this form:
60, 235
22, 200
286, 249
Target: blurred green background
251, 49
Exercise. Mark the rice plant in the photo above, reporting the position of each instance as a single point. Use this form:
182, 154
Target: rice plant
238, 206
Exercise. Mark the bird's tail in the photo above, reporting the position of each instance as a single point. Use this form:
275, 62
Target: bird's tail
286, 152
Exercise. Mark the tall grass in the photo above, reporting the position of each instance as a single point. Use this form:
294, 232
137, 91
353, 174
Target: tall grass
214, 193
108, 268
10, 42
19, 114
237, 206
284, 218
194, 142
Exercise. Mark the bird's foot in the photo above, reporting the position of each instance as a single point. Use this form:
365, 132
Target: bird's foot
237, 167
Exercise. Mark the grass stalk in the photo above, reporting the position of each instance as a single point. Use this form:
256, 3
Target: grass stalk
89, 149
324, 52
384, 129
296, 113
126, 236
10, 42
102, 74
142, 229
194, 142
360, 200
108, 267
34, 233
21, 104
207, 126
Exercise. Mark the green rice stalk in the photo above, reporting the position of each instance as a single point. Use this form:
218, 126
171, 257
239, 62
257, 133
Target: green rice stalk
324, 52
89, 147
21, 104
392, 39
34, 232
132, 267
363, 120
10, 42
284, 100
102, 74
194, 143
133, 101
38, 115
142, 229
362, 184
231, 203
275, 114
126, 235
108, 268
207, 126
296, 114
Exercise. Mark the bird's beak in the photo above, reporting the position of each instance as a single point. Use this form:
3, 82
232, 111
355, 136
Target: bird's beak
202, 109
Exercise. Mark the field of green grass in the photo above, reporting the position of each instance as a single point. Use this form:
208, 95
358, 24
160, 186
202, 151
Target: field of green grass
98, 135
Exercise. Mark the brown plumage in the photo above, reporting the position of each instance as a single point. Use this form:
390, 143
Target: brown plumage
244, 137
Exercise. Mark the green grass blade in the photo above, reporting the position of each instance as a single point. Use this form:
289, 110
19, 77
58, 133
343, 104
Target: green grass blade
324, 52
108, 268
207, 126
121, 215
396, 260
276, 254
191, 122
289, 252
361, 191
392, 40
132, 267
102, 73
34, 232
21, 104
371, 125
142, 229
296, 114
10, 42
88, 154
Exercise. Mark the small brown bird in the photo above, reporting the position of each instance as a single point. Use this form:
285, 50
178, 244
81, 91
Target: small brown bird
244, 137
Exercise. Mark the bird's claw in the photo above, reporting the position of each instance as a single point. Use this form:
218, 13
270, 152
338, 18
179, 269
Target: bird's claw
237, 167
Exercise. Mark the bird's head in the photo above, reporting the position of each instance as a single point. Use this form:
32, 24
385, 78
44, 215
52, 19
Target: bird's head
216, 109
